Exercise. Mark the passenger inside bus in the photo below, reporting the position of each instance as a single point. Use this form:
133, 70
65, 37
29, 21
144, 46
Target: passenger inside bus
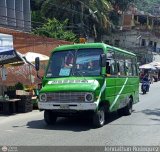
69, 60
108, 72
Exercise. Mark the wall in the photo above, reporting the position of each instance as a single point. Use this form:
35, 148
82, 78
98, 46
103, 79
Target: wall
24, 42
15, 14
132, 41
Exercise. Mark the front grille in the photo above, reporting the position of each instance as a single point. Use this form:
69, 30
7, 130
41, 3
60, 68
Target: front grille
64, 97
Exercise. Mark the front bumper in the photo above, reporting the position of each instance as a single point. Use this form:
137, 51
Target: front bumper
67, 106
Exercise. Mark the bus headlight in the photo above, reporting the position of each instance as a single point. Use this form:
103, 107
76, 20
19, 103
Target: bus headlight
89, 97
43, 97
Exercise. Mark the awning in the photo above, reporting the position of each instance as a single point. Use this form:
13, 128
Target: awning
147, 66
30, 57
10, 56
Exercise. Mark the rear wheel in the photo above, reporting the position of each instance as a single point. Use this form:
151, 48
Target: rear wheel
49, 117
127, 110
99, 117
144, 92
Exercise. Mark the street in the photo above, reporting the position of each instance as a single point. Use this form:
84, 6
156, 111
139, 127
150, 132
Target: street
141, 128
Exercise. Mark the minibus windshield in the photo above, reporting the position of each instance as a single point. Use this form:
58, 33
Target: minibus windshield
81, 62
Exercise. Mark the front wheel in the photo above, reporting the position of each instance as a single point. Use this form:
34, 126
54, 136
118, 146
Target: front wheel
99, 117
49, 117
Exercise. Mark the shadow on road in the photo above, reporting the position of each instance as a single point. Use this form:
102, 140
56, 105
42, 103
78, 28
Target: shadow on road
71, 124
155, 112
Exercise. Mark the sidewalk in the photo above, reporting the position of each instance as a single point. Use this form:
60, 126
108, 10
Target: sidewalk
2, 117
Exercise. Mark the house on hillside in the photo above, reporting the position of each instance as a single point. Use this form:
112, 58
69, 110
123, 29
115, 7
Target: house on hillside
138, 32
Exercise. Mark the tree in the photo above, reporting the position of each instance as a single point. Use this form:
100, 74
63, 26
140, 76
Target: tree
80, 13
85, 17
55, 29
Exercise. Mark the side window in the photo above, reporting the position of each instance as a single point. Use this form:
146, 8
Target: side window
110, 54
121, 65
128, 67
111, 68
134, 68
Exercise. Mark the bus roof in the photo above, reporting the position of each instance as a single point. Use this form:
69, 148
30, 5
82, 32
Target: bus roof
120, 50
90, 45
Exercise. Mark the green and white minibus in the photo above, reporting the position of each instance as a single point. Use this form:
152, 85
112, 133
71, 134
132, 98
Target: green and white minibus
92, 79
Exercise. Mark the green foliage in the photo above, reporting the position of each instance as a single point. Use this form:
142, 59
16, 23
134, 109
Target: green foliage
55, 29
37, 19
19, 86
91, 16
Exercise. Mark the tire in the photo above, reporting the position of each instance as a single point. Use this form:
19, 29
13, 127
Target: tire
144, 92
49, 117
127, 110
99, 117
120, 112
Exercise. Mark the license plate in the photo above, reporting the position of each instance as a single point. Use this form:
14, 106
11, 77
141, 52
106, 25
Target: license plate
64, 106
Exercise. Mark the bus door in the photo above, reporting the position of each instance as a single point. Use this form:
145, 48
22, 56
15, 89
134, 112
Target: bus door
121, 83
111, 71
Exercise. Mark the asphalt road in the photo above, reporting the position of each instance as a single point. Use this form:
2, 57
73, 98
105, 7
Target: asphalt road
141, 128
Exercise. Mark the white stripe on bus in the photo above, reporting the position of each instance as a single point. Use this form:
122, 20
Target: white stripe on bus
101, 91
116, 99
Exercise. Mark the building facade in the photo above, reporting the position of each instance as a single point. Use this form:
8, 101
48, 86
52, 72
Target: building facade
15, 14
15, 22
137, 32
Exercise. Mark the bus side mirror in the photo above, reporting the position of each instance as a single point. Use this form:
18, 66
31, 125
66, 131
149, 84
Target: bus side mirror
103, 60
37, 63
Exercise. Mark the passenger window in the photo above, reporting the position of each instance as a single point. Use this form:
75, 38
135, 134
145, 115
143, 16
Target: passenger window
111, 64
111, 67
128, 67
135, 73
110, 54
121, 69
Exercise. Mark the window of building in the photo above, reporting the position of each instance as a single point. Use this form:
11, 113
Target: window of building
155, 46
107, 41
143, 42
116, 43
150, 43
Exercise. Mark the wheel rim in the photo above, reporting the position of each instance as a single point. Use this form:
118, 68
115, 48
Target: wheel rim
101, 117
